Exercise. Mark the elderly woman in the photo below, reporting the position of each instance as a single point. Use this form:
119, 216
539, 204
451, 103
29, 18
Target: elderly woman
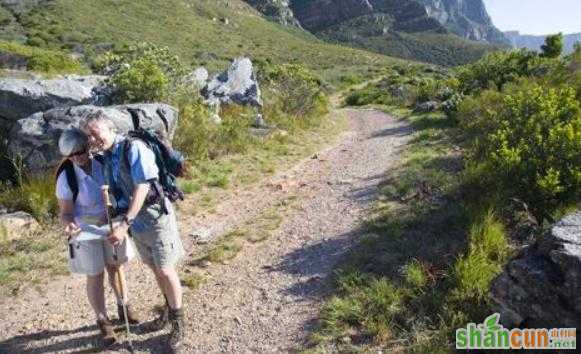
78, 190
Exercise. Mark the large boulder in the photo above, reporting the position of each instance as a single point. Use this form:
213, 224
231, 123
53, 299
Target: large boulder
541, 287
35, 139
236, 85
20, 98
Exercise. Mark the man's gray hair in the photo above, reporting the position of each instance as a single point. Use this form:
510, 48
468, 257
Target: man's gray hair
72, 141
96, 117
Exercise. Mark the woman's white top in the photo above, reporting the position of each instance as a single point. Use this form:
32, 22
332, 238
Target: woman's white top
89, 204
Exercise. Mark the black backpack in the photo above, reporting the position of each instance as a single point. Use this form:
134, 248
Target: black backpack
170, 162
67, 166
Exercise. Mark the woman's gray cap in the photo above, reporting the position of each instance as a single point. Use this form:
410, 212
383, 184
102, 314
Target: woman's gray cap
72, 140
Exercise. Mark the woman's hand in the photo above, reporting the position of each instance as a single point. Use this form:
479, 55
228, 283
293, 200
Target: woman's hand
118, 234
72, 229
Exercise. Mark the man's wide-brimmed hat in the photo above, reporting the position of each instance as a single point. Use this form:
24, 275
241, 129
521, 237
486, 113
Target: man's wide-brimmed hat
72, 141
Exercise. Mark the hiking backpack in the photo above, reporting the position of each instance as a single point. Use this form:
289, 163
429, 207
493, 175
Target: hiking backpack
170, 162
67, 166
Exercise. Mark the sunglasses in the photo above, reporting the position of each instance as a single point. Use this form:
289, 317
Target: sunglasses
81, 152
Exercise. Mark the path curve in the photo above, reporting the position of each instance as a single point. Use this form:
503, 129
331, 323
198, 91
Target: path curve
268, 297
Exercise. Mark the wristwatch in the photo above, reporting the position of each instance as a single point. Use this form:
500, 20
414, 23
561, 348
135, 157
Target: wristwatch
128, 221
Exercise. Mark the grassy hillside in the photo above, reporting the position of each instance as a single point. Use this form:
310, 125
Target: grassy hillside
201, 32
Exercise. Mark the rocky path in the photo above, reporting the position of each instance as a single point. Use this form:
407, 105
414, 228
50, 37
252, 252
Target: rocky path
267, 298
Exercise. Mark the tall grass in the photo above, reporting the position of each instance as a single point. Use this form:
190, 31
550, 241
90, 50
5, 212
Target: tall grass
34, 194
43, 60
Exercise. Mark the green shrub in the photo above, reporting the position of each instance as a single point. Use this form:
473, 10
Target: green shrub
195, 130
499, 68
529, 140
298, 90
142, 73
142, 81
43, 60
450, 106
427, 90
369, 95
351, 79
553, 46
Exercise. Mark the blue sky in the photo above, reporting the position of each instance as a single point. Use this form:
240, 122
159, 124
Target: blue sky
536, 16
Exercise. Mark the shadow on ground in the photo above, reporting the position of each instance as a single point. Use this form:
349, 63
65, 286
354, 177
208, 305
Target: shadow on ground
86, 340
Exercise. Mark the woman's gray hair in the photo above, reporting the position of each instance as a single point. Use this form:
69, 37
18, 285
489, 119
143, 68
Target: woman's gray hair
98, 117
72, 141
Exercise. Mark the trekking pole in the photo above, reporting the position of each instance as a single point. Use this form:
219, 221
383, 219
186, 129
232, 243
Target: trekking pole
120, 275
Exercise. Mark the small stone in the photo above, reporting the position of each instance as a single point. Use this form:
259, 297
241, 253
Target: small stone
202, 235
17, 224
237, 320
346, 340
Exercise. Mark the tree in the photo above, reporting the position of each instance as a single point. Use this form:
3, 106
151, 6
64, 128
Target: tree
553, 46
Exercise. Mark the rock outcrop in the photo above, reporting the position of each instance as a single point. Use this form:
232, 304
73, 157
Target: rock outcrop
277, 10
467, 18
35, 139
541, 287
20, 98
236, 85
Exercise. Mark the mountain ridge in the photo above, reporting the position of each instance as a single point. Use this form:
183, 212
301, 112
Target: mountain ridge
446, 32
467, 18
534, 42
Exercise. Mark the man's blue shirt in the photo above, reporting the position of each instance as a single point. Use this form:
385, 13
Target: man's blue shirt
142, 167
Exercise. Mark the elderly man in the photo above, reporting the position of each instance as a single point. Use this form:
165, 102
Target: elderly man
132, 174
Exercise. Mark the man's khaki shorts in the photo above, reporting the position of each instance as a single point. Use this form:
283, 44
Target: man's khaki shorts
156, 236
90, 257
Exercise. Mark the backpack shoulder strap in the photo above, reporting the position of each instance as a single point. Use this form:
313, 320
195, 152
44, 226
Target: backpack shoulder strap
69, 169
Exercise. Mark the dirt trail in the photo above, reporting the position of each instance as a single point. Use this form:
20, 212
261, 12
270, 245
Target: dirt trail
264, 300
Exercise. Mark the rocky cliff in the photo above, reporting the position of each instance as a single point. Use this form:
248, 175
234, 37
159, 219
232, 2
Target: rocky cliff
277, 10
466, 18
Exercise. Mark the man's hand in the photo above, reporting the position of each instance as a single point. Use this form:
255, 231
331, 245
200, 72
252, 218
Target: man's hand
72, 229
118, 235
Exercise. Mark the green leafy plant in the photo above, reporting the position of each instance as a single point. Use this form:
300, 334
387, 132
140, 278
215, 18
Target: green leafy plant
529, 141
499, 68
553, 46
142, 73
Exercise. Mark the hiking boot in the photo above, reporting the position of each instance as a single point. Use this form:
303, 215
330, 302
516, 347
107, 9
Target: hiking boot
160, 322
108, 335
176, 335
131, 315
